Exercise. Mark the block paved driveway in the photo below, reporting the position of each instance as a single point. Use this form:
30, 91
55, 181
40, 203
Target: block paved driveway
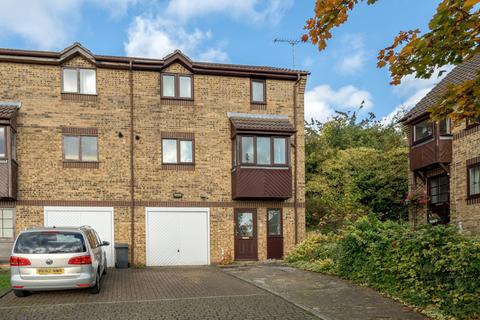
156, 293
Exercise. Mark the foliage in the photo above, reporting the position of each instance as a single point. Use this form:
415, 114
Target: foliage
4, 279
453, 37
353, 168
416, 199
433, 268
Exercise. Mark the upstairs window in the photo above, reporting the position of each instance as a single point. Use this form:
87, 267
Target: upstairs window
258, 93
472, 122
444, 127
76, 80
80, 148
422, 131
176, 86
2, 142
177, 151
263, 150
474, 181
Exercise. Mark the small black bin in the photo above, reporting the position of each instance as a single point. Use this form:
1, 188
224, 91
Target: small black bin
121, 255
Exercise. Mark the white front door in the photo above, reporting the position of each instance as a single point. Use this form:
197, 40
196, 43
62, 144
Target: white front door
99, 218
177, 236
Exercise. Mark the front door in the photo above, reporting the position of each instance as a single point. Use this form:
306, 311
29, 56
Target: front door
274, 234
245, 234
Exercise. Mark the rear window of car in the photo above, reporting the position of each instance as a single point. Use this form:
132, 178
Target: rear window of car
50, 242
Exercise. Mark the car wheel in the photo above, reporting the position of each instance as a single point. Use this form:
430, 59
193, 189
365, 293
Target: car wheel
21, 293
96, 288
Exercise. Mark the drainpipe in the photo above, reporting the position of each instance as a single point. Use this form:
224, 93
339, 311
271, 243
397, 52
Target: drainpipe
295, 172
132, 172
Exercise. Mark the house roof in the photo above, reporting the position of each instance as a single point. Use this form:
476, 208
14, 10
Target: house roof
56, 58
261, 123
461, 73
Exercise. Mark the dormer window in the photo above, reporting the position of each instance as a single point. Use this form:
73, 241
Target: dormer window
422, 131
77, 80
176, 86
258, 93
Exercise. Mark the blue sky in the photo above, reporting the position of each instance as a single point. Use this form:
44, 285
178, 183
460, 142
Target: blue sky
235, 32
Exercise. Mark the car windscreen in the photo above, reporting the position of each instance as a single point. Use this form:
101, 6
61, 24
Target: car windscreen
48, 242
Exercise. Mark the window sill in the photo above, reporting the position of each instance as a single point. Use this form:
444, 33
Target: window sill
178, 167
81, 164
421, 141
258, 106
79, 97
177, 102
474, 199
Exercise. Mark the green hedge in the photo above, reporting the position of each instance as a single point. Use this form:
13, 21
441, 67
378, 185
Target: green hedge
433, 268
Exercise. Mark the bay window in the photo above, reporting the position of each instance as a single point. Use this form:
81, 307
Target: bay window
262, 150
2, 142
422, 131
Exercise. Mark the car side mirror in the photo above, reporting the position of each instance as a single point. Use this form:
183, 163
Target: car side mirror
105, 243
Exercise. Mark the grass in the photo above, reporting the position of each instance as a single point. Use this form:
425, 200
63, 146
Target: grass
4, 279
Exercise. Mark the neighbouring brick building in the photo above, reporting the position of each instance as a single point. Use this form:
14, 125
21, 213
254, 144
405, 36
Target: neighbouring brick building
445, 159
187, 162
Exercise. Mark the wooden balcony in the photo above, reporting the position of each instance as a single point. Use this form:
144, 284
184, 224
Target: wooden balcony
273, 183
435, 151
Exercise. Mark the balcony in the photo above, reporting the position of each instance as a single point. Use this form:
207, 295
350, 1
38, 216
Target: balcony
261, 183
438, 150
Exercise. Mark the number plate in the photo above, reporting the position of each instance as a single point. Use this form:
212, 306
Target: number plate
44, 271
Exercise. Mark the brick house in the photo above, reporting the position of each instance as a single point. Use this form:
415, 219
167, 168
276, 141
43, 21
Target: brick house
187, 162
445, 159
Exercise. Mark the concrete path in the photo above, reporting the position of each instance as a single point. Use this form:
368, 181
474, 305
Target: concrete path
328, 297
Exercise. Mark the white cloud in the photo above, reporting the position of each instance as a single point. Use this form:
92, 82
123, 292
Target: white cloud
257, 11
412, 90
354, 56
157, 37
50, 24
322, 101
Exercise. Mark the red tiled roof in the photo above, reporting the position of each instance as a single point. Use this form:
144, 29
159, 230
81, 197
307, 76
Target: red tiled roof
463, 72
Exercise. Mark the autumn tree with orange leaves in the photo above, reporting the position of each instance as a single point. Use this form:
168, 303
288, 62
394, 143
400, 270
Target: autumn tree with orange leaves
453, 37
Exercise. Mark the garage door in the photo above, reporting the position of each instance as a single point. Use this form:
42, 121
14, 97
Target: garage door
100, 219
177, 236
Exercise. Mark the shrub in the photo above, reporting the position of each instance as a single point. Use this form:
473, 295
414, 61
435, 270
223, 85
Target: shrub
435, 268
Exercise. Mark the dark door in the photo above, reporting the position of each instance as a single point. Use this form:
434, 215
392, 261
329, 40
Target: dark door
245, 234
439, 199
274, 234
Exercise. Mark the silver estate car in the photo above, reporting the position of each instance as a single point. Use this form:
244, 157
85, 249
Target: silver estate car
57, 258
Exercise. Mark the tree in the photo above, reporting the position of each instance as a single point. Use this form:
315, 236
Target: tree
354, 168
453, 37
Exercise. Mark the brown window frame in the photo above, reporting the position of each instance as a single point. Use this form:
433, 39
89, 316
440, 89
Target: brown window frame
469, 124
77, 69
438, 194
264, 91
5, 154
432, 135
469, 194
178, 151
239, 153
79, 148
281, 224
176, 83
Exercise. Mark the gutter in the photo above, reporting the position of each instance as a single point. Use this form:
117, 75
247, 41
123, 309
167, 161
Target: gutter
295, 178
132, 171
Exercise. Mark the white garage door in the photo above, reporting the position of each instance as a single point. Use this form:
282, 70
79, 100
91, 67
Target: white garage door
177, 236
100, 219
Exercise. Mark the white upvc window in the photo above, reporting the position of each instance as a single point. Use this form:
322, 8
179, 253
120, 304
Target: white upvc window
78, 80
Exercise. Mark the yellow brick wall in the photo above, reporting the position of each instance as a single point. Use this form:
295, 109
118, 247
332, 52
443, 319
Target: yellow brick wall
39, 147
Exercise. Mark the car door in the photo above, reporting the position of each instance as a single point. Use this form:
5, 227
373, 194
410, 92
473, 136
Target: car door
96, 249
103, 254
